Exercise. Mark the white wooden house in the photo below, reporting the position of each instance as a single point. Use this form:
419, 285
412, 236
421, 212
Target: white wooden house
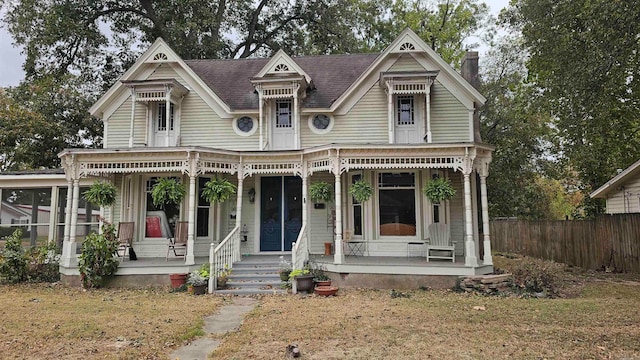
275, 126
622, 192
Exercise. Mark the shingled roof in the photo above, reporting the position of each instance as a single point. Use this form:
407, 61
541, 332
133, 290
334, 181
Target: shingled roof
331, 74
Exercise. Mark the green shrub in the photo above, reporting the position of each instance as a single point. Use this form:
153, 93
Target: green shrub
44, 263
538, 276
98, 262
13, 262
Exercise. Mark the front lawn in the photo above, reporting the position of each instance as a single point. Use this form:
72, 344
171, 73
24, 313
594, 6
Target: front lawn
41, 321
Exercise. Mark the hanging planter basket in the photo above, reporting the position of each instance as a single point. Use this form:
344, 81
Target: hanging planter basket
320, 192
101, 193
218, 190
167, 191
361, 191
438, 190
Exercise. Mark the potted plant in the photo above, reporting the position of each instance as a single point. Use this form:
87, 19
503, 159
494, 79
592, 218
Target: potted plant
361, 191
223, 276
101, 193
285, 269
218, 190
320, 192
199, 279
303, 278
318, 272
439, 189
167, 191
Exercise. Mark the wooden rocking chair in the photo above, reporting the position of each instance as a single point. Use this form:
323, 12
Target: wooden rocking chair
440, 240
178, 243
125, 238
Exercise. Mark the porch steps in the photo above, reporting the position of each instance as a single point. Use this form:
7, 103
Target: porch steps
254, 275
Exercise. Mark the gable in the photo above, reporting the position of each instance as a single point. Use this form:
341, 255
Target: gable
406, 62
281, 64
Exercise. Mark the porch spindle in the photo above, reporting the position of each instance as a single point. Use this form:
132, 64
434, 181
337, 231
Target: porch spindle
487, 258
470, 249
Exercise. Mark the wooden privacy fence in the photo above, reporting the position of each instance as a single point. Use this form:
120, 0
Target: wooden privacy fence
609, 241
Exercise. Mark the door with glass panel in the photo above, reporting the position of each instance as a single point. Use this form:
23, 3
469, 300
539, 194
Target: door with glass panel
282, 131
280, 212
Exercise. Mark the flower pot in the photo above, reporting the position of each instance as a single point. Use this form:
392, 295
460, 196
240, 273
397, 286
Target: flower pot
323, 283
177, 280
326, 290
221, 282
199, 289
328, 248
284, 275
304, 283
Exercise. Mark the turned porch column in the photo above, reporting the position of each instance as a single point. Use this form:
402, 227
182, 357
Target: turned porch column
338, 257
66, 246
470, 258
190, 259
487, 258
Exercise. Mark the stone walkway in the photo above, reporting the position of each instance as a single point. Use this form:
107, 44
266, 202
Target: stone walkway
228, 319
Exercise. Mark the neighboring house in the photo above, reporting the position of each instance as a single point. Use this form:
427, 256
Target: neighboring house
622, 192
275, 126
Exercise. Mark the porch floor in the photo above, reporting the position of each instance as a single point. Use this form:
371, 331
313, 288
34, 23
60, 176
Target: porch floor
399, 265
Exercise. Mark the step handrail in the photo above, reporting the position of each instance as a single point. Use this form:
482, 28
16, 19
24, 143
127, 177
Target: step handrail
223, 256
300, 249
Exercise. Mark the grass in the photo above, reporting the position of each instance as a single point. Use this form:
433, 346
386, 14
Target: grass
52, 322
600, 320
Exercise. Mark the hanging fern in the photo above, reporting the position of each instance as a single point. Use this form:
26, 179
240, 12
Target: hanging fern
167, 191
439, 189
101, 194
361, 191
320, 192
218, 190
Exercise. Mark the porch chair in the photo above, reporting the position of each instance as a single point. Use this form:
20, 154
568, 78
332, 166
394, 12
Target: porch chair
178, 243
125, 238
440, 240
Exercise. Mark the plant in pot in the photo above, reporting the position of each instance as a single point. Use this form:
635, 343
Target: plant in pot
285, 269
199, 279
102, 194
320, 278
361, 191
320, 192
223, 277
439, 189
167, 191
303, 278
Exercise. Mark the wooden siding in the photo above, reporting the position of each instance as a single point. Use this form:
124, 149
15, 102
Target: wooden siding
449, 118
609, 241
118, 129
625, 201
365, 123
406, 62
117, 207
320, 220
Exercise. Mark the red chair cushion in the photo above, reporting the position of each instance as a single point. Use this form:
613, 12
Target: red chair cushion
153, 227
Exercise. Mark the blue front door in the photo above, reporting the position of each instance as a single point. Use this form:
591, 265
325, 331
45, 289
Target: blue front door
281, 212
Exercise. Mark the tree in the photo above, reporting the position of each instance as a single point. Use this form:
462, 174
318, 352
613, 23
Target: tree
40, 118
514, 123
584, 58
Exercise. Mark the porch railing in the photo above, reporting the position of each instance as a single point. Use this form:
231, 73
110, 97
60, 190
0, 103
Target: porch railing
222, 257
300, 249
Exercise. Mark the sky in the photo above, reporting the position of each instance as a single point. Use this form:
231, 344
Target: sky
11, 60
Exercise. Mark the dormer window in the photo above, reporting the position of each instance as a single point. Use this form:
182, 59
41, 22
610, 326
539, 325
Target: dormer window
283, 114
405, 110
161, 117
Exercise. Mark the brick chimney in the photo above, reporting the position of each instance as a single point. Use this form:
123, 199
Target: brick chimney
469, 70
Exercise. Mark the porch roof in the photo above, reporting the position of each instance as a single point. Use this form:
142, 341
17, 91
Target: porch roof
335, 158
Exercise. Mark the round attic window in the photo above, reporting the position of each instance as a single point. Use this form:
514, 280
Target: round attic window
244, 126
321, 123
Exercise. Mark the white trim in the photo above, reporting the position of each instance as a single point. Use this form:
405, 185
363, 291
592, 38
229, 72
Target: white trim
409, 36
253, 130
613, 183
282, 57
315, 130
